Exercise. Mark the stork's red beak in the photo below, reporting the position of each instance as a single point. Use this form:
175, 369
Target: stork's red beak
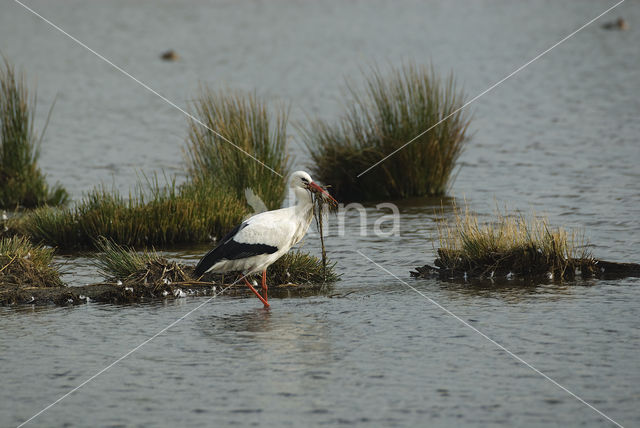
319, 189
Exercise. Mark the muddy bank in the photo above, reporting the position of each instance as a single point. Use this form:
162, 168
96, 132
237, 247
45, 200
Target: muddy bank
126, 293
159, 280
576, 268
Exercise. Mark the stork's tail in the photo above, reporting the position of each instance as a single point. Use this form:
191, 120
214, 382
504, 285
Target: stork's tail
205, 263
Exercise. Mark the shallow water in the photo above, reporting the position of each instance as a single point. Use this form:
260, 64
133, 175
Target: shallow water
561, 138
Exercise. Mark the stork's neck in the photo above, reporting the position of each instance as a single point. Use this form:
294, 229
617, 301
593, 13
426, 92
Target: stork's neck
304, 202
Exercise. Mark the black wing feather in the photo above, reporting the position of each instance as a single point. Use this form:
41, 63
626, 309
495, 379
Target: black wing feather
232, 250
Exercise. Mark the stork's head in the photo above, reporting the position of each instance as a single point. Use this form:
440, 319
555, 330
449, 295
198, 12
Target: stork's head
302, 180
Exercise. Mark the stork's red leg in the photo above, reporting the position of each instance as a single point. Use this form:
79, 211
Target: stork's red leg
262, 299
264, 284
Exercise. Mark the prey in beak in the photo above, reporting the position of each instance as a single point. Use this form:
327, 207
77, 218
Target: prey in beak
314, 188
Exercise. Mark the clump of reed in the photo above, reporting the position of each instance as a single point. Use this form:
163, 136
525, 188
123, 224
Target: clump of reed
153, 214
245, 131
297, 267
117, 261
23, 264
121, 262
22, 183
137, 275
512, 245
391, 111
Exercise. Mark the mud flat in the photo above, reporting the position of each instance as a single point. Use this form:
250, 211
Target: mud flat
159, 279
498, 267
131, 293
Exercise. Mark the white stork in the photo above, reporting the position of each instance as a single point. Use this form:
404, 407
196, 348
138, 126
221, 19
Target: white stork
259, 241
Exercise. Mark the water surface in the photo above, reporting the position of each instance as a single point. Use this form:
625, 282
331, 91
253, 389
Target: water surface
560, 138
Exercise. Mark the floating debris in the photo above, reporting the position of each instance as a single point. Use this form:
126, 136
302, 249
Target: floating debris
618, 24
170, 55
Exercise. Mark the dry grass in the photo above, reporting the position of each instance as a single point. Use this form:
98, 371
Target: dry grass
23, 264
245, 120
389, 112
511, 244
21, 181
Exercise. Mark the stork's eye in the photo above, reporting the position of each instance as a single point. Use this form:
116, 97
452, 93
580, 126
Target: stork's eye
304, 180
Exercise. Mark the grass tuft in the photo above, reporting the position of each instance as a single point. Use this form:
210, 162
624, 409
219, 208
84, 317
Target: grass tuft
245, 121
21, 181
23, 264
300, 268
140, 275
512, 244
389, 112
117, 261
153, 214
121, 262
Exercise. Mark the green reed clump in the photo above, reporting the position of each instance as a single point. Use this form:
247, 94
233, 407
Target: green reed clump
140, 275
389, 112
246, 122
23, 264
22, 183
297, 267
511, 244
153, 214
117, 261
